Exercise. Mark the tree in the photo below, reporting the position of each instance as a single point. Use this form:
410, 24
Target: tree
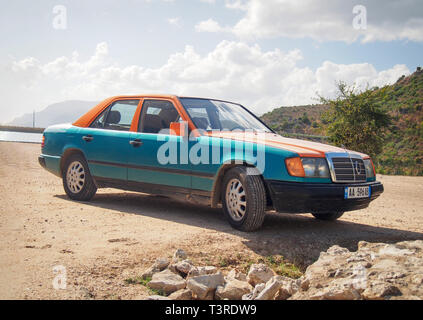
357, 120
305, 119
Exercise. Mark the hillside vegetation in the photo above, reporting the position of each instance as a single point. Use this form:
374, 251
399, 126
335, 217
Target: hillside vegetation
402, 151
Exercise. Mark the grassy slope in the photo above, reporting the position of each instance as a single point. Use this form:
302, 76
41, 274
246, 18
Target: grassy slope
403, 149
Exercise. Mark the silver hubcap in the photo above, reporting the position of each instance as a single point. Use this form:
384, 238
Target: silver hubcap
75, 177
236, 201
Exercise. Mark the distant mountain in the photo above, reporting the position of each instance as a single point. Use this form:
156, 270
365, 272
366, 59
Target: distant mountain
62, 112
403, 149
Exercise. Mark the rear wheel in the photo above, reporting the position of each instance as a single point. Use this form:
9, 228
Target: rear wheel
243, 199
77, 180
328, 216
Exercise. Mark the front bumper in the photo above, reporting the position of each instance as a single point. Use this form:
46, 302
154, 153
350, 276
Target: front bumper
296, 197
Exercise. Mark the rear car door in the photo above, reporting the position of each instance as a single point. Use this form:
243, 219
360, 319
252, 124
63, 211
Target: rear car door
106, 142
145, 167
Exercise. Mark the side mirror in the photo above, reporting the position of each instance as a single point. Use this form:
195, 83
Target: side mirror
178, 128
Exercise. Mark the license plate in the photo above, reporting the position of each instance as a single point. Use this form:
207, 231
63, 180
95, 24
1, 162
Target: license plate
357, 192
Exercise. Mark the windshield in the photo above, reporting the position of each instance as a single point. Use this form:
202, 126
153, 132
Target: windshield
219, 115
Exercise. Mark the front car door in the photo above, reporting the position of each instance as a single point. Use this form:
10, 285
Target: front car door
147, 163
106, 142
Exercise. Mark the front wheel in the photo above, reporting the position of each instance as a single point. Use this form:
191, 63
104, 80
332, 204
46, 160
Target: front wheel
243, 199
328, 216
77, 180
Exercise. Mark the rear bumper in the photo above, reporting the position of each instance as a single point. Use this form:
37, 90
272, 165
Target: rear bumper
294, 197
50, 163
42, 161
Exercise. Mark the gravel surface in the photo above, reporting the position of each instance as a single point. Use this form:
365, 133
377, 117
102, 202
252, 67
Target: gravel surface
119, 234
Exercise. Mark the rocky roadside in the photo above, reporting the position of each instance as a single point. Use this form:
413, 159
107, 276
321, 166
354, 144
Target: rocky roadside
376, 271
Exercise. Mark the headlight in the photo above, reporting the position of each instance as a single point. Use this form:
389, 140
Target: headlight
315, 167
370, 169
308, 167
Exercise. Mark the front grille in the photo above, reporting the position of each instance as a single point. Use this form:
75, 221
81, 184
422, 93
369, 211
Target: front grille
349, 170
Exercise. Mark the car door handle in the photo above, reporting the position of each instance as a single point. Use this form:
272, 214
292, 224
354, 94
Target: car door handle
136, 143
88, 138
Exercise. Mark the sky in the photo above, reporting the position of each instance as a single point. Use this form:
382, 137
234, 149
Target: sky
261, 53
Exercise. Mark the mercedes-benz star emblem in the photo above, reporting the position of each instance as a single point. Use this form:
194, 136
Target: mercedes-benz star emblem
357, 167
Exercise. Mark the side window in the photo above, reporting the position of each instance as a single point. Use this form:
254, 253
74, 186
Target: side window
200, 118
157, 115
117, 116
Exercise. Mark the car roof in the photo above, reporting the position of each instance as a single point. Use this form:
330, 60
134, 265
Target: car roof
155, 95
167, 96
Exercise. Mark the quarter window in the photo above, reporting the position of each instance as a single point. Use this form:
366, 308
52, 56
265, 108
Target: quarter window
118, 116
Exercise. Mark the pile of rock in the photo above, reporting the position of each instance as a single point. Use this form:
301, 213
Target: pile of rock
181, 280
375, 271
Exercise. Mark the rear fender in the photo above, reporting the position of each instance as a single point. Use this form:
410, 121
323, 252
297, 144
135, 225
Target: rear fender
69, 150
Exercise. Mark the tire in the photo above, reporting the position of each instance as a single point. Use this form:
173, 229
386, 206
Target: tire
77, 180
328, 216
243, 199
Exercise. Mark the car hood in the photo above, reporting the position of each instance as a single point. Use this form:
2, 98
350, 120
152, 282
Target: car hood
301, 147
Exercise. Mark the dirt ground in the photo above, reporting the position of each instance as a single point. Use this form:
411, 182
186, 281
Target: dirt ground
118, 234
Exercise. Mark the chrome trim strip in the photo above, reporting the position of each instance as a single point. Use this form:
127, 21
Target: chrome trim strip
331, 169
352, 166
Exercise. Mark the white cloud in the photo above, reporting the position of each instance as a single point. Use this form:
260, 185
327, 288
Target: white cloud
236, 4
210, 25
174, 21
234, 71
329, 20
362, 75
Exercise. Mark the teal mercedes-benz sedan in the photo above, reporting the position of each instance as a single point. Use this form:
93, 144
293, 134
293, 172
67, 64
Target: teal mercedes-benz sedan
208, 151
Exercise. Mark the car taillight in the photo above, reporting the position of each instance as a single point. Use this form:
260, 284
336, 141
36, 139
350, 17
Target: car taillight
43, 141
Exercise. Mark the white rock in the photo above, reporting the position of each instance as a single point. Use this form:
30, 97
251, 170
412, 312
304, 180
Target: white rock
157, 297
201, 271
179, 255
182, 267
271, 289
337, 250
380, 291
304, 283
376, 271
148, 273
340, 289
183, 294
167, 281
233, 290
251, 296
236, 275
288, 288
259, 273
204, 286
161, 264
